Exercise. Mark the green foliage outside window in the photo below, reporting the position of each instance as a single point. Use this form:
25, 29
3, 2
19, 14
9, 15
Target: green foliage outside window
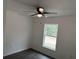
51, 30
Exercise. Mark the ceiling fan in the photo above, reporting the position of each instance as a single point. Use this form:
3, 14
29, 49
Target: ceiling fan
40, 12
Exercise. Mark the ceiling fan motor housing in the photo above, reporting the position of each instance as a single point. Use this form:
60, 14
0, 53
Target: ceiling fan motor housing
40, 10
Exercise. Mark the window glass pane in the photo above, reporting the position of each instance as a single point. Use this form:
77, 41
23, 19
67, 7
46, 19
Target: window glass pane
50, 36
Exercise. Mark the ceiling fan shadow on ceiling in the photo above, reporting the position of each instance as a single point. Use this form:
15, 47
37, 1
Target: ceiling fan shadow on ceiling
40, 12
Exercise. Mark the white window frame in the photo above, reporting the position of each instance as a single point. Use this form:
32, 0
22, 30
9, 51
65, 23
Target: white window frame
44, 38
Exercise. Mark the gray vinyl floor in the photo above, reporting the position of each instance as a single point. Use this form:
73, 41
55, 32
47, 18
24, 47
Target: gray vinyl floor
27, 54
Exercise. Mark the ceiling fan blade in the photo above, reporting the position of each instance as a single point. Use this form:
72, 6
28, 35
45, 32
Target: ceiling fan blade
30, 11
50, 13
33, 14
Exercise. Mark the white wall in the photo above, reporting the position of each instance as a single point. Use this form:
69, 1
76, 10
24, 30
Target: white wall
66, 36
17, 29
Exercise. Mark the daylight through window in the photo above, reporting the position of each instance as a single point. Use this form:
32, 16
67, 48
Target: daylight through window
50, 36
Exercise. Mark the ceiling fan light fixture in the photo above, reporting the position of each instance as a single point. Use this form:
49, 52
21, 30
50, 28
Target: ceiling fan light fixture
39, 15
41, 9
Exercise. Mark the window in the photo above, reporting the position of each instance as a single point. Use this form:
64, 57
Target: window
50, 36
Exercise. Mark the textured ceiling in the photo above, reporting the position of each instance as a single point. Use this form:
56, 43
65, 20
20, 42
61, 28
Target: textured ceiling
62, 7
